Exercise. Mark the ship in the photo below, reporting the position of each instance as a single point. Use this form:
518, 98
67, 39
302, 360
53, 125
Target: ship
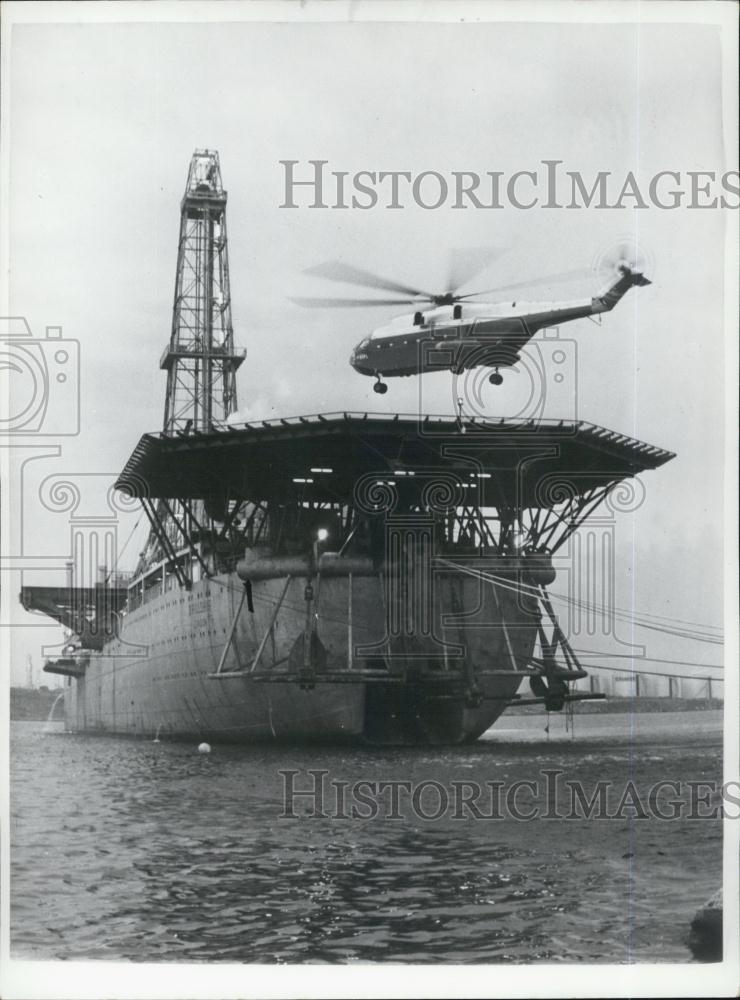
375, 578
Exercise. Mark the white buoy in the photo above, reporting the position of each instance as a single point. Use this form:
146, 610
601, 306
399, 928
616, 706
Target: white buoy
204, 748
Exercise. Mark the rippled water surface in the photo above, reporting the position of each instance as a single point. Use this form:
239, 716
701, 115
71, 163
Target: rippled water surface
152, 852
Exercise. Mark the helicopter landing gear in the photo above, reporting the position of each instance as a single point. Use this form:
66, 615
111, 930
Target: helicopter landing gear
495, 378
380, 387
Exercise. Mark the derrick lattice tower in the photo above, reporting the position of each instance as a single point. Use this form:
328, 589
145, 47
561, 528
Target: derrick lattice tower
200, 360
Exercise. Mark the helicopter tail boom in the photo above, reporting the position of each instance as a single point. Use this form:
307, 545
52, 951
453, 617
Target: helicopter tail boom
627, 279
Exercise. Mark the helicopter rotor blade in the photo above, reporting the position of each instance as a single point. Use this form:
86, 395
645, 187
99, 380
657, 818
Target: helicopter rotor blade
351, 303
335, 270
563, 276
466, 262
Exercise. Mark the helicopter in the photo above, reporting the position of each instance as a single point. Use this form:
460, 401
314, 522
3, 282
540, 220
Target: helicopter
448, 332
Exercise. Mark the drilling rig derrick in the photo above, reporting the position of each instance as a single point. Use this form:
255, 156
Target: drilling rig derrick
200, 359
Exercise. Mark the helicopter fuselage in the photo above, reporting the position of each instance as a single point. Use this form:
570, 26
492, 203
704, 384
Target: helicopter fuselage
464, 335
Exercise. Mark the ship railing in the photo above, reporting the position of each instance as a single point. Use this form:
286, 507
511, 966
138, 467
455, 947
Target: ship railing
159, 578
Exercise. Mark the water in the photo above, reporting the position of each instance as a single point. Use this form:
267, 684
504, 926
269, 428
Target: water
49, 725
148, 851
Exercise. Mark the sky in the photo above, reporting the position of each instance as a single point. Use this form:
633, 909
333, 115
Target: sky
103, 121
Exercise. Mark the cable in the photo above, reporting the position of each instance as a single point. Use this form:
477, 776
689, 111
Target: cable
679, 621
123, 549
625, 616
657, 673
648, 659
646, 620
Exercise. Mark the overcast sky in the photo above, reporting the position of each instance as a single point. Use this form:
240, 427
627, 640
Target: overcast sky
104, 119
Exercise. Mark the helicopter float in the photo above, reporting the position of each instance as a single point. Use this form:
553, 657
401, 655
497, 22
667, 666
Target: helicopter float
447, 331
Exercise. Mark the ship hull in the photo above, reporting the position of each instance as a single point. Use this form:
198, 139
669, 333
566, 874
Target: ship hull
199, 665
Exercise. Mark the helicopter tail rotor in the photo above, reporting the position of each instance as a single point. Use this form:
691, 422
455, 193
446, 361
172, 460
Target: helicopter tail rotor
623, 257
636, 277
